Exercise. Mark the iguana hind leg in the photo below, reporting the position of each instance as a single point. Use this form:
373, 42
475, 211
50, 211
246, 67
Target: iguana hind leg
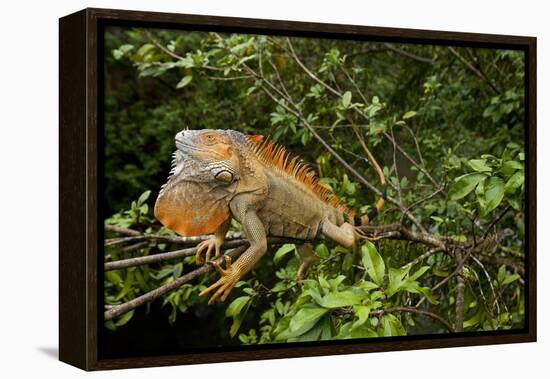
308, 259
345, 234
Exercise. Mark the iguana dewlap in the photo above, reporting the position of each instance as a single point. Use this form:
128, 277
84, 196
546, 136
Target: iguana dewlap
218, 175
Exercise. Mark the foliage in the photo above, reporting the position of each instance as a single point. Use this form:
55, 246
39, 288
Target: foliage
449, 139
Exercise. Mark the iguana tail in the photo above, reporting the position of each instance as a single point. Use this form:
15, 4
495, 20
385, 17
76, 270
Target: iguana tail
365, 219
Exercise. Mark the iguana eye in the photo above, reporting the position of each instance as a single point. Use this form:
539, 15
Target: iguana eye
209, 139
224, 176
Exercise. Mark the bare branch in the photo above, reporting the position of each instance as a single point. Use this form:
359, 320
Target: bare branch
121, 230
176, 254
416, 311
161, 257
412, 160
158, 292
481, 75
308, 72
168, 239
496, 220
420, 258
407, 54
459, 305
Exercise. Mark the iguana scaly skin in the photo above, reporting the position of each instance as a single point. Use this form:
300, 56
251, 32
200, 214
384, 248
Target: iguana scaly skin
218, 175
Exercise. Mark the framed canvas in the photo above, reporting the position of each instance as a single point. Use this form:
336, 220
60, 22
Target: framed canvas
239, 189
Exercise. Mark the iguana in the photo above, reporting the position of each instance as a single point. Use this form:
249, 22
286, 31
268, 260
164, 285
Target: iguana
219, 175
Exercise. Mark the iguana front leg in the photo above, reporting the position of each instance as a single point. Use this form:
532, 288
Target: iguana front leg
255, 232
215, 243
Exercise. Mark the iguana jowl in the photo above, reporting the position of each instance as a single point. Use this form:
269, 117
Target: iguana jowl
218, 175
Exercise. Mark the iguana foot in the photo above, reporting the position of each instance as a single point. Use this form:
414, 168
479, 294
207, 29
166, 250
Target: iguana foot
229, 277
361, 234
213, 243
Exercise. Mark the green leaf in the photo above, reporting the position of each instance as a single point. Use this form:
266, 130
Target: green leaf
110, 325
510, 279
311, 335
143, 198
340, 299
125, 318
472, 321
334, 283
501, 273
373, 262
114, 277
514, 182
177, 269
184, 81
395, 279
494, 192
479, 165
465, 184
367, 285
409, 114
324, 283
419, 273
346, 99
122, 50
146, 48
234, 309
305, 319
282, 251
362, 312
509, 167
127, 285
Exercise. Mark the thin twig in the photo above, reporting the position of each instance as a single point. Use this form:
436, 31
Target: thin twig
229, 78
412, 160
416, 311
482, 76
411, 132
407, 54
496, 220
398, 185
420, 258
121, 230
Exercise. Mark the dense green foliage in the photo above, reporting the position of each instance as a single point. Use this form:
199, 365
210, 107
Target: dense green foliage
445, 123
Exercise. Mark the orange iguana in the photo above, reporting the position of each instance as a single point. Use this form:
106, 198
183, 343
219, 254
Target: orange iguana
218, 175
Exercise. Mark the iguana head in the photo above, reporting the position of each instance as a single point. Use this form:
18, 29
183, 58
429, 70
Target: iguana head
213, 150
207, 171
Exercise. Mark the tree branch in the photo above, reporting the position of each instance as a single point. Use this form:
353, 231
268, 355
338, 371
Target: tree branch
479, 74
135, 236
459, 306
416, 311
412, 56
176, 254
158, 292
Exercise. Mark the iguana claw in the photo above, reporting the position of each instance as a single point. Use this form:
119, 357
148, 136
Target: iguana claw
213, 243
362, 235
229, 277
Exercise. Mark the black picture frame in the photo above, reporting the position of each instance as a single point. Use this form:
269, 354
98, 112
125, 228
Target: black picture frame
80, 183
